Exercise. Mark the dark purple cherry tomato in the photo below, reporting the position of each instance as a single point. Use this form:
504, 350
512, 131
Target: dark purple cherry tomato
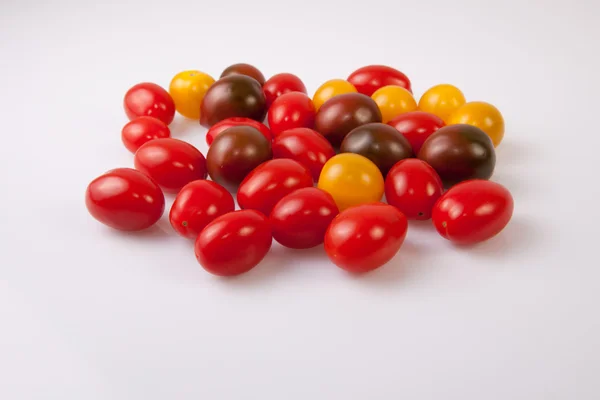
280, 84
372, 77
291, 110
141, 130
236, 121
244, 69
149, 99
417, 126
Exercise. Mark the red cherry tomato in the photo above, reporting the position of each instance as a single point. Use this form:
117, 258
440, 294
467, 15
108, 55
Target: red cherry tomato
172, 163
280, 84
372, 77
141, 130
364, 237
236, 121
125, 199
300, 219
197, 204
234, 243
306, 146
270, 182
413, 187
149, 99
417, 126
473, 211
291, 110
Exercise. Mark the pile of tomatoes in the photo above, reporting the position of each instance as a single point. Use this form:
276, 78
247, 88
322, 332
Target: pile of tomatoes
306, 171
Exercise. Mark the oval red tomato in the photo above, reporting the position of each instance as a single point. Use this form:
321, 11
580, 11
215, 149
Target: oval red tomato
141, 130
236, 121
171, 163
365, 237
234, 243
372, 77
149, 99
300, 219
291, 110
417, 126
280, 84
125, 199
197, 204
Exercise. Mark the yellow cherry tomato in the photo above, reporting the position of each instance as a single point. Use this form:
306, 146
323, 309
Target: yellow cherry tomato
482, 115
393, 101
351, 179
442, 100
331, 89
187, 89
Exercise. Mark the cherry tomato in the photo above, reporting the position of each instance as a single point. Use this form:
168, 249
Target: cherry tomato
393, 101
442, 100
149, 99
236, 121
197, 204
365, 237
306, 146
141, 130
351, 179
482, 115
331, 89
291, 110
473, 211
300, 219
271, 181
187, 89
125, 199
172, 163
280, 84
244, 69
413, 187
417, 126
234, 243
372, 77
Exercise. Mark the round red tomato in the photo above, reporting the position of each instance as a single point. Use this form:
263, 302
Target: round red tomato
280, 84
365, 237
236, 121
141, 130
125, 199
300, 219
306, 146
172, 163
417, 126
270, 182
372, 77
234, 243
473, 211
197, 204
291, 110
413, 187
149, 99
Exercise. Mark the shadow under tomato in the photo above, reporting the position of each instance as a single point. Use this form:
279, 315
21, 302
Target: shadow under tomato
155, 232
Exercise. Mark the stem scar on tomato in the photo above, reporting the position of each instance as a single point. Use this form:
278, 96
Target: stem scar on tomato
184, 223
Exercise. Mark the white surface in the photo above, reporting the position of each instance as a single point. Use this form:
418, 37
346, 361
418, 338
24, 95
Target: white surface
88, 313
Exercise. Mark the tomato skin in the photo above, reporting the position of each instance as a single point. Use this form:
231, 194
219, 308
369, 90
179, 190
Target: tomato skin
331, 88
280, 84
125, 199
270, 182
149, 99
300, 219
236, 121
417, 126
413, 187
244, 69
365, 237
372, 77
197, 204
482, 115
187, 89
141, 130
442, 100
306, 146
393, 101
291, 110
171, 163
473, 211
234, 243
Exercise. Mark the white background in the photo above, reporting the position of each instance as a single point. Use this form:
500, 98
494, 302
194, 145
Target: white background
89, 313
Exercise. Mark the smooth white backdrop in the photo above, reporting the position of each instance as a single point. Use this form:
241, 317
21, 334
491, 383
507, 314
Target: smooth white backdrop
89, 313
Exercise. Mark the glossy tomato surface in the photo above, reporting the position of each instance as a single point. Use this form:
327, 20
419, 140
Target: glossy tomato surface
413, 187
244, 69
125, 199
270, 182
187, 89
417, 126
197, 204
141, 130
234, 243
237, 121
280, 84
442, 100
331, 88
291, 110
482, 115
300, 219
151, 100
393, 101
172, 163
372, 77
306, 146
473, 211
365, 237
